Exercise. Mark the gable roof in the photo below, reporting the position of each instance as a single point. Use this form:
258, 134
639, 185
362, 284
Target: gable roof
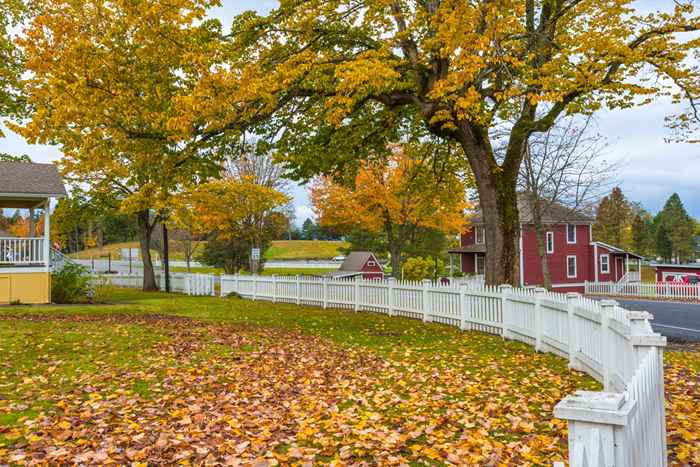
616, 250
356, 260
553, 213
26, 178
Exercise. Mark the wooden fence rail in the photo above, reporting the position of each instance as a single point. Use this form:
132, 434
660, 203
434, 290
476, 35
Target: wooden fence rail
664, 290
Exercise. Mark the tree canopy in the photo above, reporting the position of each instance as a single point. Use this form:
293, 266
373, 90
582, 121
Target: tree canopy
332, 81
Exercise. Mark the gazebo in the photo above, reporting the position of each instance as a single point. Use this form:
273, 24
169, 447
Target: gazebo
25, 260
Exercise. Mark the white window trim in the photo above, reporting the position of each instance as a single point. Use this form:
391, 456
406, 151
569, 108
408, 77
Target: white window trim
371, 263
606, 269
476, 265
569, 276
567, 234
478, 229
546, 241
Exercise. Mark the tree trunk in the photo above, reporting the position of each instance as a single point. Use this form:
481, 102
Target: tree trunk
165, 262
542, 252
498, 201
395, 252
145, 232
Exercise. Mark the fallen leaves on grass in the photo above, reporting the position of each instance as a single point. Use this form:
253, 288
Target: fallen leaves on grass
209, 393
682, 377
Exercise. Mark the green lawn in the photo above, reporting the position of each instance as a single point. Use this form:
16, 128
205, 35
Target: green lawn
304, 249
162, 379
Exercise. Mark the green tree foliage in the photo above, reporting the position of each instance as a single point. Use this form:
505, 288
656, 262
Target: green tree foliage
614, 219
419, 268
643, 233
675, 231
5, 157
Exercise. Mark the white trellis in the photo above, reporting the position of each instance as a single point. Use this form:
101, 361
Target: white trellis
623, 426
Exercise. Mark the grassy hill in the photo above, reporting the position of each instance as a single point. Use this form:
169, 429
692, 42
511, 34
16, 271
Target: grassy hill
280, 249
304, 249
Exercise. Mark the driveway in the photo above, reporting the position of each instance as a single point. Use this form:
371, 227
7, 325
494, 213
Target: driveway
673, 320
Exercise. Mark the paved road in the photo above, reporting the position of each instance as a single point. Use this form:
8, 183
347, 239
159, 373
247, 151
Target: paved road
673, 320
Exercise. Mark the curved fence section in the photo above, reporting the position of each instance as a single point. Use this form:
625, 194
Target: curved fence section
622, 426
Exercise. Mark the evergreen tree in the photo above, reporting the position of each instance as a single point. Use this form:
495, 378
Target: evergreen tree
675, 239
643, 236
308, 230
613, 219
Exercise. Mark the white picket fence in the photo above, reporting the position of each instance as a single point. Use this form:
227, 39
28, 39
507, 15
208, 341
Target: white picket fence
622, 426
669, 290
187, 283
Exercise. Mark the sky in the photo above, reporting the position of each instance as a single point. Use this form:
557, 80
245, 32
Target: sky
650, 169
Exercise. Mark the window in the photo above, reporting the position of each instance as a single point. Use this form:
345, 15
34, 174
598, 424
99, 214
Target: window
605, 264
571, 267
550, 242
480, 264
479, 235
570, 233
371, 263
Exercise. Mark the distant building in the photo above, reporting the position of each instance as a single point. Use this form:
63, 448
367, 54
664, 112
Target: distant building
677, 272
359, 264
572, 255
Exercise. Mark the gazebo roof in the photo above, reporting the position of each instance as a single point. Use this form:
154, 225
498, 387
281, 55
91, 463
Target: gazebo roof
23, 184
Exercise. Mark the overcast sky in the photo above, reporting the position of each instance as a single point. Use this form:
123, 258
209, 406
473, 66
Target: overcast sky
651, 168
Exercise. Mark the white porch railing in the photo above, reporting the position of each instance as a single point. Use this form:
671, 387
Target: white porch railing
671, 290
632, 276
623, 426
22, 251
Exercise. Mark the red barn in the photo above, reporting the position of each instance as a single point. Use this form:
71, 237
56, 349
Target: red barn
360, 263
572, 255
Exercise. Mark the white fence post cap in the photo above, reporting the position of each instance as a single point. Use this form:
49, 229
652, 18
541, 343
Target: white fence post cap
607, 408
640, 315
608, 303
572, 295
505, 286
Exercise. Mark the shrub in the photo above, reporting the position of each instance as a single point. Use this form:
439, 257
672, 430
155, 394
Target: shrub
70, 284
419, 268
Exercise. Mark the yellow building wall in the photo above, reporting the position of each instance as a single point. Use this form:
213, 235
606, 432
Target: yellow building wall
25, 287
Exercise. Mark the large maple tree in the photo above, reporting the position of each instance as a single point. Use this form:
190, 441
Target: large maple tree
331, 81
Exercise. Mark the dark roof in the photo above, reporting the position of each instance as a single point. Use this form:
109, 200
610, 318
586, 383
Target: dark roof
474, 248
553, 213
614, 250
356, 260
25, 178
678, 266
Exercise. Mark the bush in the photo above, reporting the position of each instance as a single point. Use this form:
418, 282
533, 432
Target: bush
71, 284
419, 268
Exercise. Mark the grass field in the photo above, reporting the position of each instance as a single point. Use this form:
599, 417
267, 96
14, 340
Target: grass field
156, 379
279, 250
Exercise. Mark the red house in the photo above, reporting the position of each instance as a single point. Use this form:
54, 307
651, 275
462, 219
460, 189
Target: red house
683, 273
360, 263
573, 256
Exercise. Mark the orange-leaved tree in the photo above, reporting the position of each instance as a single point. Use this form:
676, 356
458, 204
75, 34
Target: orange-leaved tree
240, 213
395, 196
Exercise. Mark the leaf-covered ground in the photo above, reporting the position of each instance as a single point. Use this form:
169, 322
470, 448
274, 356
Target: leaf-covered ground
155, 380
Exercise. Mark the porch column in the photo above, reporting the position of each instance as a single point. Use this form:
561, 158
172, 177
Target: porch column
595, 261
627, 263
47, 235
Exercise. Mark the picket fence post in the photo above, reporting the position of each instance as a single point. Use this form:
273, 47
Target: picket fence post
572, 299
356, 293
298, 289
539, 293
274, 288
212, 283
236, 284
390, 299
643, 339
426, 301
324, 290
506, 318
606, 311
597, 422
465, 323
255, 286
